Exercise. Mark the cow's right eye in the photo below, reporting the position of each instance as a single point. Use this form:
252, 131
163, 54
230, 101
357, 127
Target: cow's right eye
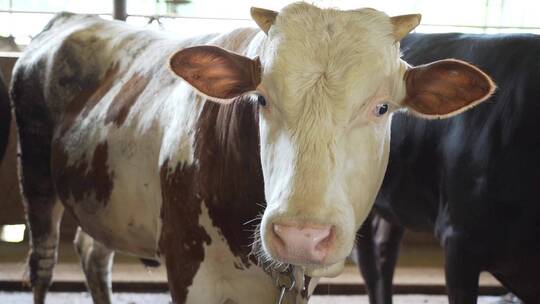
381, 109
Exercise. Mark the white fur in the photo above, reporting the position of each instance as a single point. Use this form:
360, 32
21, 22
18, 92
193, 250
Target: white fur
323, 152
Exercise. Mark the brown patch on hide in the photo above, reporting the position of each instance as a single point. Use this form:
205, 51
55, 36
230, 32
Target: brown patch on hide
216, 72
82, 179
227, 178
182, 238
88, 98
446, 87
230, 175
126, 98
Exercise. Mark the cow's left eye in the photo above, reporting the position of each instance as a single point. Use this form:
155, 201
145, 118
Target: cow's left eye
261, 100
380, 109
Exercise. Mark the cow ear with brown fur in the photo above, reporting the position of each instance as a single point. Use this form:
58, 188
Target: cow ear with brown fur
216, 73
445, 88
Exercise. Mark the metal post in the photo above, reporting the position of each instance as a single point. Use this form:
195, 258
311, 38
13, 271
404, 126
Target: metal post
119, 10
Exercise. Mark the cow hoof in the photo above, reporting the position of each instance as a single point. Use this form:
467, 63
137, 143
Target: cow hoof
150, 262
509, 298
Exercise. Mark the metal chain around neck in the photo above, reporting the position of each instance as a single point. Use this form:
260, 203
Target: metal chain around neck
284, 279
284, 282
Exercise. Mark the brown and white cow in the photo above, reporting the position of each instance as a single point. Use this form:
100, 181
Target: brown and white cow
174, 149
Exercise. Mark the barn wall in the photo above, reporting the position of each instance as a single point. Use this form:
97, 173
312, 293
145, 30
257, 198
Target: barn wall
12, 211
7, 60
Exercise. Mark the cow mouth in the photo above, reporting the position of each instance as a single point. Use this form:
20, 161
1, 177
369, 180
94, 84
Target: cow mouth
315, 270
328, 271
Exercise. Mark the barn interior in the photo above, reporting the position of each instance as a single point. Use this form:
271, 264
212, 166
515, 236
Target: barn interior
419, 275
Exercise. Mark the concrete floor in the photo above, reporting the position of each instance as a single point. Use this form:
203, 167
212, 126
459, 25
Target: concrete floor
144, 298
418, 267
400, 299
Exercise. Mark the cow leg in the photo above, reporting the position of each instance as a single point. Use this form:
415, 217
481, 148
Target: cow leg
387, 240
377, 251
44, 235
43, 210
367, 263
96, 262
462, 272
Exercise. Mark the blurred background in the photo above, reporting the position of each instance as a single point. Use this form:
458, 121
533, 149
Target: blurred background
420, 264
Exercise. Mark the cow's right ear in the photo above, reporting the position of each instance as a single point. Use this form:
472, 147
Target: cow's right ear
216, 73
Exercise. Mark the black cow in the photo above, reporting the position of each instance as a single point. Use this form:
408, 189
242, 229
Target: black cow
474, 179
5, 116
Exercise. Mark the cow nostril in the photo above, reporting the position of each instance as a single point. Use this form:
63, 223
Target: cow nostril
278, 231
326, 242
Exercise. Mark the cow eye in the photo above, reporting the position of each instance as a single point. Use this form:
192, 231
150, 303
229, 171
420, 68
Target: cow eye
381, 109
261, 100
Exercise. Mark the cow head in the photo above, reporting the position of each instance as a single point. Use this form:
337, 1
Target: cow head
330, 80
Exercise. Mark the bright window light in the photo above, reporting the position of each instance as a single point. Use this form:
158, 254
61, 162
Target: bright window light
12, 233
24, 19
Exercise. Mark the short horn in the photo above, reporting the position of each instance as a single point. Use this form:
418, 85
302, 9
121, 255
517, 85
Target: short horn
404, 24
263, 17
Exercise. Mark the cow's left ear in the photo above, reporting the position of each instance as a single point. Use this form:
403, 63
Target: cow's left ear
445, 88
216, 73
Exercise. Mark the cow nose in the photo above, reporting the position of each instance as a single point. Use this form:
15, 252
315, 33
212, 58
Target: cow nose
302, 243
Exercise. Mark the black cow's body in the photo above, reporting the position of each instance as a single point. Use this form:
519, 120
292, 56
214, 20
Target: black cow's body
5, 116
474, 179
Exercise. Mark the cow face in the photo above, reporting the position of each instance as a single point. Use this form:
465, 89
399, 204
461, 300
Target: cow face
330, 80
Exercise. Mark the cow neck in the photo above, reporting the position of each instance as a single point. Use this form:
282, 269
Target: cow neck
230, 179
